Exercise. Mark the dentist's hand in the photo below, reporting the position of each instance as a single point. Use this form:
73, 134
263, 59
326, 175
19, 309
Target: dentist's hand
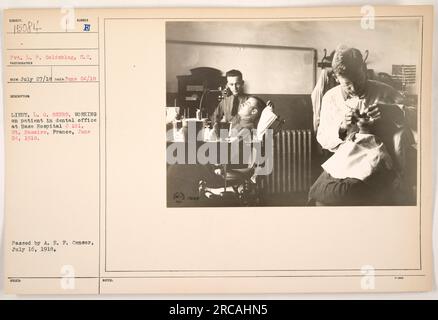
373, 112
349, 120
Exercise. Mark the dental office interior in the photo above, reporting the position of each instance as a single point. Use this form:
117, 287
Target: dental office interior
285, 63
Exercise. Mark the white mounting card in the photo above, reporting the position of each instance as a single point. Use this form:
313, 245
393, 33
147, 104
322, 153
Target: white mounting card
92, 204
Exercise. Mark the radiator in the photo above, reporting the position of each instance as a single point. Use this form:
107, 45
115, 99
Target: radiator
291, 163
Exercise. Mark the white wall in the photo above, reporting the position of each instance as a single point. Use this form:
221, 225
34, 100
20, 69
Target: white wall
391, 41
180, 58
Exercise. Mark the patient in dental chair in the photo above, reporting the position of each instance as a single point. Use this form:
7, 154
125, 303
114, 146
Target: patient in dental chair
244, 126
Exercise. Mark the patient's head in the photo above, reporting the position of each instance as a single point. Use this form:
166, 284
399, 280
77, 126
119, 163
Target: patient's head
249, 112
350, 70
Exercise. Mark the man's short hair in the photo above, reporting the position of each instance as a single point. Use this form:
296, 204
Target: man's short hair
260, 103
234, 73
347, 60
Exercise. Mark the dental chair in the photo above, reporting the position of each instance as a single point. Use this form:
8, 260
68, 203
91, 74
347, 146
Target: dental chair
238, 182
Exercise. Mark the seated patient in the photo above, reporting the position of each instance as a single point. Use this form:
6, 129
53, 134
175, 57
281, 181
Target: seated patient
185, 177
358, 121
245, 122
248, 115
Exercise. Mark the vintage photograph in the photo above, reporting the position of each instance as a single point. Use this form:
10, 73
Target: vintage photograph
292, 113
296, 154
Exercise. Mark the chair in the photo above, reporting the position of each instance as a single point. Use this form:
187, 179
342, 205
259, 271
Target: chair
238, 180
405, 156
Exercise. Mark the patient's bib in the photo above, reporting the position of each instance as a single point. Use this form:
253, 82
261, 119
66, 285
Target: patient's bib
358, 158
